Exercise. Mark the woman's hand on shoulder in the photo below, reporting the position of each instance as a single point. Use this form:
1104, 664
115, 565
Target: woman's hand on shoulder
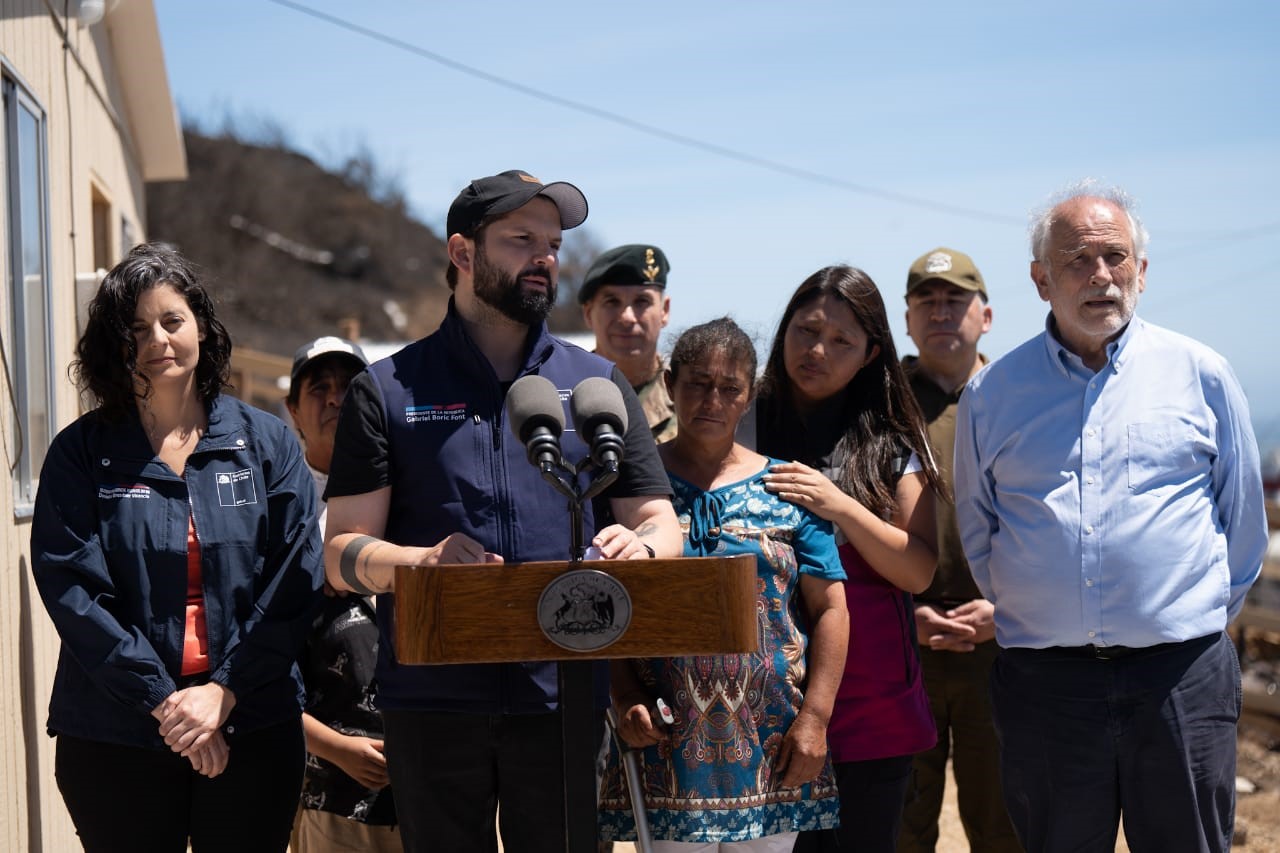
191, 716
808, 487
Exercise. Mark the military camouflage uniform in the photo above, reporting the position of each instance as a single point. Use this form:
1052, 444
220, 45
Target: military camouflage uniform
658, 407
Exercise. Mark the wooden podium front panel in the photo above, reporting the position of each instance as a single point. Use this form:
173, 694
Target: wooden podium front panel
489, 613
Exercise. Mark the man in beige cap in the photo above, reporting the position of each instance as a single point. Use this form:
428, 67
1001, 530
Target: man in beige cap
947, 313
624, 302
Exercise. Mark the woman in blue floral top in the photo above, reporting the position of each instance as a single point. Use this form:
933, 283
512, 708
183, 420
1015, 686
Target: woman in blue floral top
744, 766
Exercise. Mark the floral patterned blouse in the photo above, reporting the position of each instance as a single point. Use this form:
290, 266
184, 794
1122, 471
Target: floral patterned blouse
713, 779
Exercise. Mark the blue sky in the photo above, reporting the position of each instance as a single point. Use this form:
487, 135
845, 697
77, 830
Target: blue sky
985, 107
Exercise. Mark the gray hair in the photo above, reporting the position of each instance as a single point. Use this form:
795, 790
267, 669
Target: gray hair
1042, 218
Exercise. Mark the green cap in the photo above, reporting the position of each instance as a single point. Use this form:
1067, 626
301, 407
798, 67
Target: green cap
630, 265
947, 265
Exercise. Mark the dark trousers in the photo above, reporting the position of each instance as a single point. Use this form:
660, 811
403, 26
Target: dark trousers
1149, 738
131, 799
959, 696
451, 771
871, 795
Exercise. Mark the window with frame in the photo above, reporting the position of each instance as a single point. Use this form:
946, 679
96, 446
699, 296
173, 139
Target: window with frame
28, 356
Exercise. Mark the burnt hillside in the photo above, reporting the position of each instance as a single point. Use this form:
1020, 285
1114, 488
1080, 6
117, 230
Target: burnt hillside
293, 249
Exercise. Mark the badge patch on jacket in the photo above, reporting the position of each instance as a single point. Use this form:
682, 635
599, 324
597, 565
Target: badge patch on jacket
442, 412
116, 493
236, 488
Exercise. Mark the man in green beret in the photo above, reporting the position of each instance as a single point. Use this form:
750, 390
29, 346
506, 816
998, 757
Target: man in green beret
624, 302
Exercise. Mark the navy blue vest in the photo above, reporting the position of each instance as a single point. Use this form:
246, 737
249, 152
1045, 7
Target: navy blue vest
457, 467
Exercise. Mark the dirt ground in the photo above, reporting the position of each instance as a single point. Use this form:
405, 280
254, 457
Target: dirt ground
1258, 814
1258, 758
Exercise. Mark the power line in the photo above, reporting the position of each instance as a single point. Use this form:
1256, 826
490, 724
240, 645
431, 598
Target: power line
654, 130
1199, 242
1169, 299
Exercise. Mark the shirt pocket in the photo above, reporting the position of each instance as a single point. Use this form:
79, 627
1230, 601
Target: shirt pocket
1161, 456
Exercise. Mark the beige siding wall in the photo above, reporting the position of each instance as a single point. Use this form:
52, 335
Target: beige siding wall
85, 154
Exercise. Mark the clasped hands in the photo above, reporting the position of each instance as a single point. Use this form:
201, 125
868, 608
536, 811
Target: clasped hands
190, 721
959, 629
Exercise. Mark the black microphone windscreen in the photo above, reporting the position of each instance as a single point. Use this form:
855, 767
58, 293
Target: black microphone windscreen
597, 400
533, 401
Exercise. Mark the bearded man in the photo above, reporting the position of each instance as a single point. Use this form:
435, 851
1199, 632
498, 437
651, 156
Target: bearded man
425, 471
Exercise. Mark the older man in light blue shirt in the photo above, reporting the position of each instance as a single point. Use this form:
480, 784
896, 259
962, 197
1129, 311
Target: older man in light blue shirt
1109, 497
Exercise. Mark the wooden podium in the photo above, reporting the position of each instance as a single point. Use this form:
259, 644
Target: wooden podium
488, 613
561, 611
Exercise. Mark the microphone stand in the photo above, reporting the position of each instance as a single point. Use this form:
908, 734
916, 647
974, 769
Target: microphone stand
554, 474
581, 731
538, 422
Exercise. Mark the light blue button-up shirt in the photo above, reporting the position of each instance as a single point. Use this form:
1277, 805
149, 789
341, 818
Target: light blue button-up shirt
1122, 507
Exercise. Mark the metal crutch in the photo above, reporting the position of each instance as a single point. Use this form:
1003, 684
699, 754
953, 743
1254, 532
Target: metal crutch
631, 766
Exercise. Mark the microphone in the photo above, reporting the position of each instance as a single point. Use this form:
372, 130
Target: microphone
600, 417
537, 419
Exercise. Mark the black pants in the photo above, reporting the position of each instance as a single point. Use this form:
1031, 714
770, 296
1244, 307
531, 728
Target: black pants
871, 797
451, 771
136, 800
1149, 739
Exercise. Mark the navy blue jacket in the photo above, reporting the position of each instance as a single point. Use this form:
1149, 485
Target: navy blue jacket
429, 422
109, 556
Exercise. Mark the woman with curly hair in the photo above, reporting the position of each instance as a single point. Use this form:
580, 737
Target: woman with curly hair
174, 544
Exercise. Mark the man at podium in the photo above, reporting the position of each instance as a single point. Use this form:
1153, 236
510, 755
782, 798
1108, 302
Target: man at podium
425, 471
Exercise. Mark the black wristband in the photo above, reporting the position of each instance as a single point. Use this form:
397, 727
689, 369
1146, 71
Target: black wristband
347, 564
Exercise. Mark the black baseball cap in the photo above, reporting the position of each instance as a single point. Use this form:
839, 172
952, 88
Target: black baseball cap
508, 191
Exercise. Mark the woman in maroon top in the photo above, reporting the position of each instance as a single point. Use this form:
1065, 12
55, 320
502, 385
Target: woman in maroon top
834, 399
